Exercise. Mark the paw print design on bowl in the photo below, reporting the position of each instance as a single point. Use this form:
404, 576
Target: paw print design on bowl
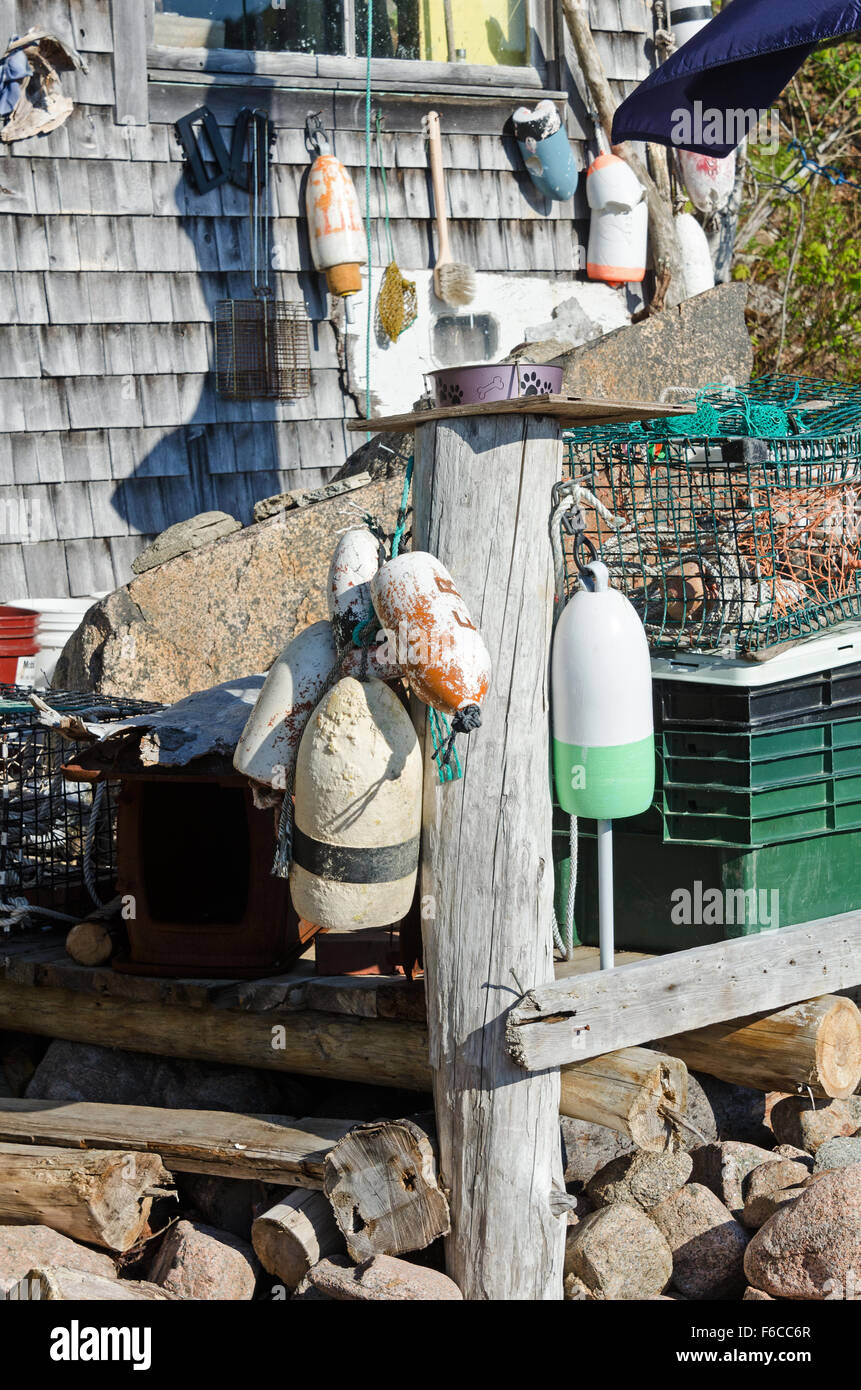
532, 384
451, 394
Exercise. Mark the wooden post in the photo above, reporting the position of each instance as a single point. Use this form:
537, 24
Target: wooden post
482, 498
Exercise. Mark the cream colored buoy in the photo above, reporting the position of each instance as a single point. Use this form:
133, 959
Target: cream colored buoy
708, 181
354, 564
358, 810
267, 750
697, 269
430, 633
335, 228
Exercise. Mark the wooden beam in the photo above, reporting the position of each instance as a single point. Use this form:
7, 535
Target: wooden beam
688, 989
813, 1046
480, 499
570, 410
352, 1049
269, 1148
295, 1234
131, 95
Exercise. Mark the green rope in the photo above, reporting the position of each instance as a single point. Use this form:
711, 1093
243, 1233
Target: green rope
370, 40
738, 415
440, 734
402, 510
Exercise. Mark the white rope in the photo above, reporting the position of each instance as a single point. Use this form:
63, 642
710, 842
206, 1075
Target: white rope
89, 872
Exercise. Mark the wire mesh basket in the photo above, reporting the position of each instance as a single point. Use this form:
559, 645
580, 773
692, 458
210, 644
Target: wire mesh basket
56, 837
730, 541
261, 349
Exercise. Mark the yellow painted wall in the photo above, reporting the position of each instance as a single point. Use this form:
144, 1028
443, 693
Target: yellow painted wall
492, 31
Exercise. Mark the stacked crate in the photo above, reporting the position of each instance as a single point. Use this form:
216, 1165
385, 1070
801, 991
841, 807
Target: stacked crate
756, 821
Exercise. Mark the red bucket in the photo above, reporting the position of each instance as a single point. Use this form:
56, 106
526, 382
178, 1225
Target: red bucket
18, 645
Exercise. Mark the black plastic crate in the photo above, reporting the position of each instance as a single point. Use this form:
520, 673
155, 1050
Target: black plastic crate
805, 700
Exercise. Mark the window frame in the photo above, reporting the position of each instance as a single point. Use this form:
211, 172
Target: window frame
347, 72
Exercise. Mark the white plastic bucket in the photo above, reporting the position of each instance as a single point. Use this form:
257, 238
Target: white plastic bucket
59, 618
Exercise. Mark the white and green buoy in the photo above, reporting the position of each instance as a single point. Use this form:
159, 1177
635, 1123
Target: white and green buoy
603, 728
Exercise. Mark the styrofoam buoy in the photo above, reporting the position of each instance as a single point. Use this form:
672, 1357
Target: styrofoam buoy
267, 750
686, 20
546, 149
697, 268
603, 730
708, 181
430, 633
358, 810
335, 228
354, 563
619, 222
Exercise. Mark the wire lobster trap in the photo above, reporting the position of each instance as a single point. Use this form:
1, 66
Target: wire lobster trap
744, 532
57, 838
261, 344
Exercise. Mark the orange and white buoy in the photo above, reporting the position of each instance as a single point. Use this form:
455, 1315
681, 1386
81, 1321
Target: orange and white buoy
358, 810
431, 635
335, 227
618, 227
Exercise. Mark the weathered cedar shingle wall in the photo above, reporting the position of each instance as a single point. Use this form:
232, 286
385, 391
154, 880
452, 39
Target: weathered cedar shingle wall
110, 265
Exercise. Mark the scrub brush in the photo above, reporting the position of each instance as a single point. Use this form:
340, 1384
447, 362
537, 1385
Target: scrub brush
453, 282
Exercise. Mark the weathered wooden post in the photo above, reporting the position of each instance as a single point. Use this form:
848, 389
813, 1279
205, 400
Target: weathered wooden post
481, 498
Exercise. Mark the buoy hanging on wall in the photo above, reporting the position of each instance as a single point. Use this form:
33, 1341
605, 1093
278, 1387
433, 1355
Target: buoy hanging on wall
697, 268
546, 149
686, 20
358, 810
335, 227
708, 181
619, 224
354, 564
603, 729
432, 635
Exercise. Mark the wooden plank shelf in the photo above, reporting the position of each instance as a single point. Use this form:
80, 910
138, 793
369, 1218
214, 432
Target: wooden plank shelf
568, 410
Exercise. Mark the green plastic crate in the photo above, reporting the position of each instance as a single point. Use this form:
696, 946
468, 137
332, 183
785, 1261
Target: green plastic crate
814, 878
759, 758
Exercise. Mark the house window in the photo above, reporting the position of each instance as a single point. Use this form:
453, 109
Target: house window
485, 32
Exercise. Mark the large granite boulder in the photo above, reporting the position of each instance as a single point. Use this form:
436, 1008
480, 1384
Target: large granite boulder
669, 355
220, 610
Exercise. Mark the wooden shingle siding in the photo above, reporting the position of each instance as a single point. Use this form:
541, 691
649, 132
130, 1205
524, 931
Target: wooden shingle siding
111, 265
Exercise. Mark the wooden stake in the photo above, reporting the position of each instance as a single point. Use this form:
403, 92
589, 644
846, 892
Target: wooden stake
482, 496
382, 1182
816, 1044
635, 1091
103, 1198
298, 1232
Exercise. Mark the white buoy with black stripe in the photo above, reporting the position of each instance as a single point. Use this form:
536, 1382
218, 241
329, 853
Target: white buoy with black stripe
686, 20
358, 810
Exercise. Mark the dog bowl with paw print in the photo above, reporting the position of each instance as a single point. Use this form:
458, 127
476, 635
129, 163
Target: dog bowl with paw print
489, 382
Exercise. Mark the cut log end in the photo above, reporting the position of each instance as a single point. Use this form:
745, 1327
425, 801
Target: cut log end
635, 1091
89, 943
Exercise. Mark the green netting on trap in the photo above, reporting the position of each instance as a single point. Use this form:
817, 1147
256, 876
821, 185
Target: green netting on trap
734, 529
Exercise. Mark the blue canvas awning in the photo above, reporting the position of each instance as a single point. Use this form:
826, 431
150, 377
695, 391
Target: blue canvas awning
736, 66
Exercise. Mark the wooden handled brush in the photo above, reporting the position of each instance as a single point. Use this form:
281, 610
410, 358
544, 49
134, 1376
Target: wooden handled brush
452, 282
